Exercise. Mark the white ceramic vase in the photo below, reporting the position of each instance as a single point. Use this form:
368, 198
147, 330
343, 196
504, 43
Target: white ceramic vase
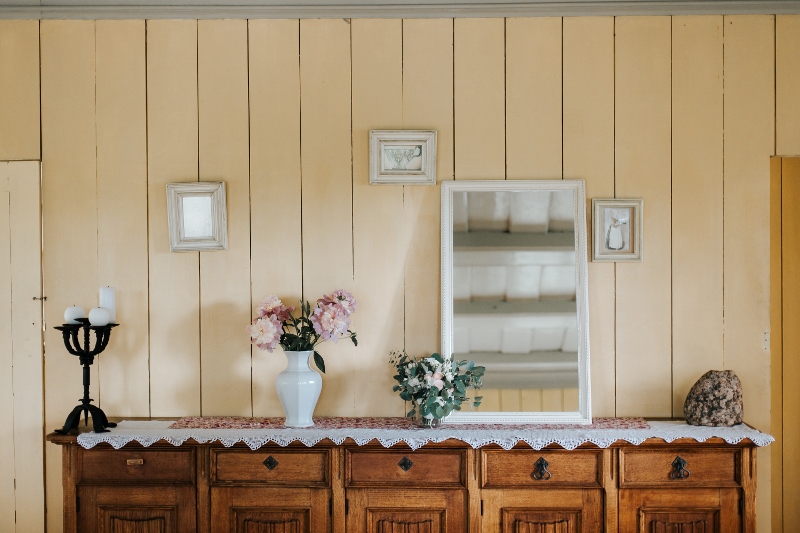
298, 388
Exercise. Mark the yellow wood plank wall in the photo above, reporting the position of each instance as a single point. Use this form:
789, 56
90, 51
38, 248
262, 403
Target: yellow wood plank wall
280, 110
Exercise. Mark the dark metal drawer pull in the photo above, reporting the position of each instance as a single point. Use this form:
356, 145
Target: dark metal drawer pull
679, 468
540, 471
135, 462
270, 462
405, 463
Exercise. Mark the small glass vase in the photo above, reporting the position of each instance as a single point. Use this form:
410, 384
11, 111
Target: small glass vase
426, 422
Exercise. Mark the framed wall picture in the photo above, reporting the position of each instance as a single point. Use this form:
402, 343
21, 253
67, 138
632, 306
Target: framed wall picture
402, 157
618, 229
197, 216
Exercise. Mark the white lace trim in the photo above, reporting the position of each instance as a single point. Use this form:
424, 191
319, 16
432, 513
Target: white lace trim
150, 432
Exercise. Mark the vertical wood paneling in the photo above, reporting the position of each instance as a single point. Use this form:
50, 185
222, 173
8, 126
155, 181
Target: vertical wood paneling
222, 74
70, 225
642, 169
531, 399
378, 255
552, 400
327, 203
696, 201
122, 211
7, 502
479, 94
19, 89
749, 141
427, 104
26, 317
174, 277
276, 257
533, 98
787, 84
791, 338
589, 155
776, 341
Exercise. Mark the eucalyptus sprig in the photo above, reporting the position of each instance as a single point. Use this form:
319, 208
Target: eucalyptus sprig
434, 385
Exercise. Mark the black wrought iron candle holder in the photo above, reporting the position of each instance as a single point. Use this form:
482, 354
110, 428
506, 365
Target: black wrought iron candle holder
86, 356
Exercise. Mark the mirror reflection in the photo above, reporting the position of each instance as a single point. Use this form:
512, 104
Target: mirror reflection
514, 293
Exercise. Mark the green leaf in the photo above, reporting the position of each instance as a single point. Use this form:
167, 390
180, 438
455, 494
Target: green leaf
319, 362
470, 365
460, 387
437, 357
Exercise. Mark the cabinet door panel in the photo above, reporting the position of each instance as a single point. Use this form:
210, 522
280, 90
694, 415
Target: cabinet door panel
543, 511
685, 510
269, 510
144, 509
406, 511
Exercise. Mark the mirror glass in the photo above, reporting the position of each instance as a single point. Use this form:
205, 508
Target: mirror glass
514, 296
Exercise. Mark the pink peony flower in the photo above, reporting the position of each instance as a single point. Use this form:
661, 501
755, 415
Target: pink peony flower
330, 321
435, 380
342, 298
272, 305
265, 332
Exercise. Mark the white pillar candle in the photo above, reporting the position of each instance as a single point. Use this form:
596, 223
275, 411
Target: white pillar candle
108, 299
73, 313
99, 316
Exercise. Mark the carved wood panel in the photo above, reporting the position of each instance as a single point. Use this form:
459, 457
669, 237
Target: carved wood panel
668, 521
405, 521
114, 519
270, 521
540, 521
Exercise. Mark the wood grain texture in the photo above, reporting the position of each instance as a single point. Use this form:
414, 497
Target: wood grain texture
776, 340
427, 104
533, 98
697, 197
378, 240
69, 216
222, 90
749, 141
174, 277
791, 338
514, 469
787, 84
7, 474
429, 468
588, 152
479, 98
122, 262
642, 164
514, 510
305, 467
327, 202
26, 338
276, 259
19, 90
289, 510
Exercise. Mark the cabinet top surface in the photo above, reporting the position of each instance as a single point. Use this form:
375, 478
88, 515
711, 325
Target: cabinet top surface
258, 432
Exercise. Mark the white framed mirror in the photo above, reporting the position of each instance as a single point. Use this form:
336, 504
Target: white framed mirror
515, 297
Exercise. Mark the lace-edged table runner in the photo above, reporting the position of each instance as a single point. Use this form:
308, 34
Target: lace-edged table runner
257, 432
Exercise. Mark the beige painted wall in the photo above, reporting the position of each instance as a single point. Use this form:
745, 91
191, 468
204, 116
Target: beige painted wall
678, 110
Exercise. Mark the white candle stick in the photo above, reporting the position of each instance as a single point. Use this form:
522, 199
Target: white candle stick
108, 299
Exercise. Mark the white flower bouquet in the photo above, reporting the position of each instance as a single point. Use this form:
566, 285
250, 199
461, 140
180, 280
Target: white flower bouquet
435, 386
329, 320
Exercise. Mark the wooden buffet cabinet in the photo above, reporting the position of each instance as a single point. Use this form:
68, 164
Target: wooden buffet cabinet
684, 486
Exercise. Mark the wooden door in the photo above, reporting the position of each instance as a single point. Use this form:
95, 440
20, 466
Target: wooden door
542, 511
136, 509
406, 511
21, 361
680, 510
250, 509
785, 340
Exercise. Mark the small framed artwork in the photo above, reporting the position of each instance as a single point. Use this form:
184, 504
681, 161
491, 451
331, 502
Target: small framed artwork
197, 216
618, 229
402, 157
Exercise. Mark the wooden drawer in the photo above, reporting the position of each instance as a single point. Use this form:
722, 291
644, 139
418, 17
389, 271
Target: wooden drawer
428, 468
521, 468
274, 466
131, 465
711, 467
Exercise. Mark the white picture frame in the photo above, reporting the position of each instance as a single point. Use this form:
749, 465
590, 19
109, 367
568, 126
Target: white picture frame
197, 216
618, 229
402, 157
